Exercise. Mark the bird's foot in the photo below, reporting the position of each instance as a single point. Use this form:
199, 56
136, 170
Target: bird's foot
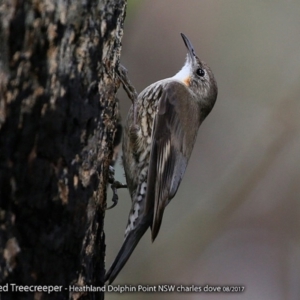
115, 185
129, 89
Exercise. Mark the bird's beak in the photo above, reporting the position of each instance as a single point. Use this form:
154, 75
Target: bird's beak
189, 47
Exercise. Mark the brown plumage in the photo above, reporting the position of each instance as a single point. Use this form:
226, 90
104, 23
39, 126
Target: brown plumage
157, 145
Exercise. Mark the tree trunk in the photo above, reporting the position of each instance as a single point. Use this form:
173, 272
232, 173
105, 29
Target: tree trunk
58, 119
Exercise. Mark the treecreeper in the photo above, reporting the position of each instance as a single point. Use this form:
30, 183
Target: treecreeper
159, 136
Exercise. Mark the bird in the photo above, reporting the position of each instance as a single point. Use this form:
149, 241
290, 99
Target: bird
158, 139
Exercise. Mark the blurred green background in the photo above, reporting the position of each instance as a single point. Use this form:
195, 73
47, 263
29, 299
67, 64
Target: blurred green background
236, 216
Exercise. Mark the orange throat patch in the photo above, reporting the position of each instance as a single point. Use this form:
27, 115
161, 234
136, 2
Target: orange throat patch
187, 81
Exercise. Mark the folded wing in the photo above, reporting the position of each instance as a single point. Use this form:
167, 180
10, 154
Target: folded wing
169, 153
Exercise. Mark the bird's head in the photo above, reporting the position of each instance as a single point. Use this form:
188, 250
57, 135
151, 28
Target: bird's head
197, 76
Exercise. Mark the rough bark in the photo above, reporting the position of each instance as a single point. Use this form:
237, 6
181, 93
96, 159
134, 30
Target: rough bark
58, 118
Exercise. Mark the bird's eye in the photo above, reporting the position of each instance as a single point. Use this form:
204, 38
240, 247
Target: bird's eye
200, 72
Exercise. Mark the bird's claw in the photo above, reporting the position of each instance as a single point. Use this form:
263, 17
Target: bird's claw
128, 87
115, 185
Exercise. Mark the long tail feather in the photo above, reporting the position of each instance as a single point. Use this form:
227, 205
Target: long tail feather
127, 248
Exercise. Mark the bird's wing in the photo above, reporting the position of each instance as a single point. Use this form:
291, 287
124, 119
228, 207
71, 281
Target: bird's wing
169, 154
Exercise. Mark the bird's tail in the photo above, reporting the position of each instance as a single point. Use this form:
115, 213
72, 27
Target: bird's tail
127, 248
